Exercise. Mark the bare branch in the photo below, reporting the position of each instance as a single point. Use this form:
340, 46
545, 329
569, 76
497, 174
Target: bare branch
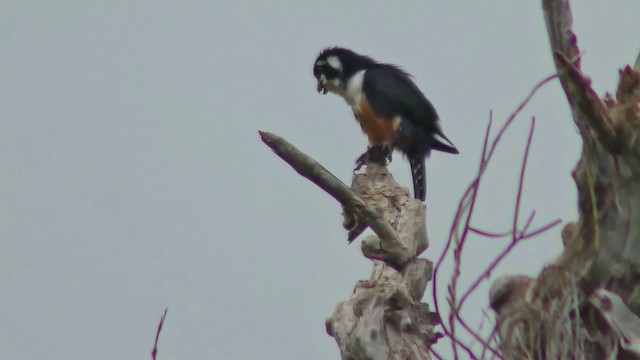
586, 102
497, 260
462, 227
516, 217
154, 352
489, 234
548, 317
518, 110
389, 248
309, 168
559, 21
384, 318
588, 110
542, 229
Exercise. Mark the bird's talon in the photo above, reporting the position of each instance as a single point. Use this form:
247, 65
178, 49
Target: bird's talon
361, 160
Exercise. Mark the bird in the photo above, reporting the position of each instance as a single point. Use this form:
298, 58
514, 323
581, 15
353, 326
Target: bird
391, 109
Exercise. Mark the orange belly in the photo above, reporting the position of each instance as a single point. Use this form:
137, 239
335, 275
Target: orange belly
377, 128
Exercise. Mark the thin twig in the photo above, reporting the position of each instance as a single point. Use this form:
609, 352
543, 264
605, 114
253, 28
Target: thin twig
489, 234
523, 168
491, 336
459, 247
464, 214
519, 109
542, 229
496, 261
154, 352
462, 207
557, 14
436, 354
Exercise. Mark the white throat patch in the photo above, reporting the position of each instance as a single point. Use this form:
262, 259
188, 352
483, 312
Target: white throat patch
353, 92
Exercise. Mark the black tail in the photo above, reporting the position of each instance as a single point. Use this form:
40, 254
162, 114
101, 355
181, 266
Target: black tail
419, 176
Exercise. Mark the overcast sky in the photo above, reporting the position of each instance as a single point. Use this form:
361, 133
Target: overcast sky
132, 177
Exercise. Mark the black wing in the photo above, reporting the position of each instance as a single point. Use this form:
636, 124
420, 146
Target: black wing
391, 92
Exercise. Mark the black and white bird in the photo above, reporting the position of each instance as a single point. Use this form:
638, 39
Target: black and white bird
391, 109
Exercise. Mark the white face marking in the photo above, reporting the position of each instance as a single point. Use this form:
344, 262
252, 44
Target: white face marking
320, 62
334, 62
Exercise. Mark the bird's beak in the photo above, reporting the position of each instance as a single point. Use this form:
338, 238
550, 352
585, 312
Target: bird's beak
321, 88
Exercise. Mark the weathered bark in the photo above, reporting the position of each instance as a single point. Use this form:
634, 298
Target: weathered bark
384, 318
553, 316
360, 213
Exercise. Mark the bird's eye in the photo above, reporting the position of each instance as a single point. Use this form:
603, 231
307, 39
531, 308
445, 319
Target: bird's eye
330, 71
327, 70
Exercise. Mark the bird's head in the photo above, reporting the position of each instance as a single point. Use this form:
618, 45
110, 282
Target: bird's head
335, 66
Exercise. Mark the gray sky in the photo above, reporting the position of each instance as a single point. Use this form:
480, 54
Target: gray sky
132, 177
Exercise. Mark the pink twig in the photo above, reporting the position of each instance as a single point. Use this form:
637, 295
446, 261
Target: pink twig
513, 116
487, 272
493, 334
521, 181
436, 354
517, 237
488, 234
464, 214
515, 234
542, 229
154, 352
462, 207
